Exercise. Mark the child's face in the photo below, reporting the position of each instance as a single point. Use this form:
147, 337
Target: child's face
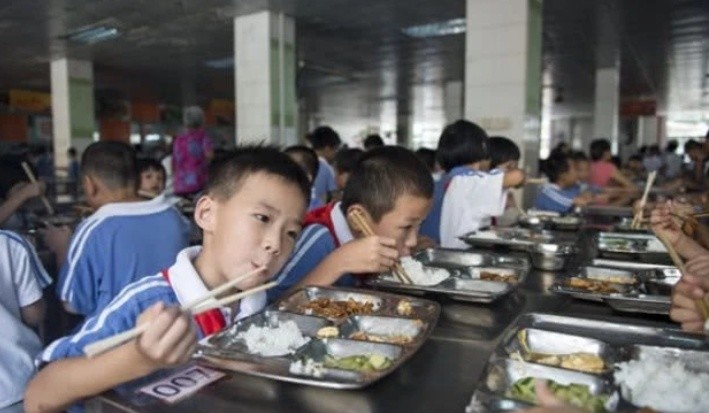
152, 181
257, 226
341, 179
569, 177
403, 222
583, 170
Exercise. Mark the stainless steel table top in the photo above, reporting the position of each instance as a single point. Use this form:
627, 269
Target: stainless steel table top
441, 377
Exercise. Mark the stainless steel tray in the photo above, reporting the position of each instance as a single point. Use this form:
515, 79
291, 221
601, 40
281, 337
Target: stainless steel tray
625, 226
639, 247
606, 211
648, 290
616, 341
224, 351
514, 238
465, 283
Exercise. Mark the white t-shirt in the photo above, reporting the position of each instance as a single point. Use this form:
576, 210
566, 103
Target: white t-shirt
22, 279
469, 201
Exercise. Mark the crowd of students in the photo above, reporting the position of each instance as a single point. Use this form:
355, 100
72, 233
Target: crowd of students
286, 211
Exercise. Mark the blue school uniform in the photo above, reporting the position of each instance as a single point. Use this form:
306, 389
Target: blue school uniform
324, 182
178, 285
117, 245
326, 229
553, 198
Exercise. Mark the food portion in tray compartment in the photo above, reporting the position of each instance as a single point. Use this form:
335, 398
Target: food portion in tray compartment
665, 383
496, 274
578, 395
363, 363
623, 244
585, 362
271, 341
328, 332
326, 307
376, 329
594, 286
423, 275
404, 308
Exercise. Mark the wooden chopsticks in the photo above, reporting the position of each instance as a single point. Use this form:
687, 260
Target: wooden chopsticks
362, 223
195, 307
639, 214
31, 177
701, 303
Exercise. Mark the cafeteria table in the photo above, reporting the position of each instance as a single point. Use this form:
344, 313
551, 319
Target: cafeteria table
441, 377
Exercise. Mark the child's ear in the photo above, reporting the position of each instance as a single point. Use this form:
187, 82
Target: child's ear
205, 213
363, 212
89, 185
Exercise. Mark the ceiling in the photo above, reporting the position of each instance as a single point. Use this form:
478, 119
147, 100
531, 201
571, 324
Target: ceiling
356, 47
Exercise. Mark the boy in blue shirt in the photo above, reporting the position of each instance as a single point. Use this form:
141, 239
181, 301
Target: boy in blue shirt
124, 239
251, 214
562, 194
393, 189
325, 142
307, 159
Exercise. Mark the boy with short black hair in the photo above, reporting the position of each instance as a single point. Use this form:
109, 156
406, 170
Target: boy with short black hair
124, 239
562, 193
504, 153
325, 142
307, 159
470, 194
373, 141
345, 161
393, 189
251, 214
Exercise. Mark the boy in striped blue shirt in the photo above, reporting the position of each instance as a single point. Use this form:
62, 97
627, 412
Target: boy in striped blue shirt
251, 214
562, 193
125, 239
393, 189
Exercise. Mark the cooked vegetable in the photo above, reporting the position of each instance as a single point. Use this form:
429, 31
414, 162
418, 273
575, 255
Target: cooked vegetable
363, 363
577, 395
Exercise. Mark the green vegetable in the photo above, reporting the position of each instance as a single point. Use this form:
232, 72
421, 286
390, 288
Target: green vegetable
363, 363
578, 395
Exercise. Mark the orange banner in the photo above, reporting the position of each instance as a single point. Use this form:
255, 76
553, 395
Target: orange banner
30, 101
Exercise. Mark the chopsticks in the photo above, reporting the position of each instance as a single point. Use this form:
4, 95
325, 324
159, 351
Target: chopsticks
701, 303
31, 177
639, 214
195, 307
362, 223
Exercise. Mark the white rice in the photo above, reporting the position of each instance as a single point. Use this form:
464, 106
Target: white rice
306, 368
273, 341
421, 275
666, 387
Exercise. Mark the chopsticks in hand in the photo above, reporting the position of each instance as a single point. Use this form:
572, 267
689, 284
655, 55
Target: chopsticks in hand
31, 177
362, 223
195, 307
639, 214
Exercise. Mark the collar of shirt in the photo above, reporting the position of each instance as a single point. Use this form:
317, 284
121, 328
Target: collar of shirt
155, 205
188, 285
339, 223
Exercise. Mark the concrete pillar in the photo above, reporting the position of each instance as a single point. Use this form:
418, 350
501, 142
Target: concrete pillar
503, 71
607, 93
264, 74
73, 122
453, 101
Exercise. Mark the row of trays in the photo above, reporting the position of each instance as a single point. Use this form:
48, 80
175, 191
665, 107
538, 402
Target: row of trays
339, 338
580, 359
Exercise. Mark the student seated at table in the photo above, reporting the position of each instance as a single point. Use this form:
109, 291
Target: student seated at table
22, 279
325, 142
124, 239
562, 193
151, 175
308, 160
15, 192
345, 161
505, 156
694, 285
471, 195
392, 189
251, 214
604, 172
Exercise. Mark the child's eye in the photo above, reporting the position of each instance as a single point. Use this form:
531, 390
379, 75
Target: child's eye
293, 234
263, 218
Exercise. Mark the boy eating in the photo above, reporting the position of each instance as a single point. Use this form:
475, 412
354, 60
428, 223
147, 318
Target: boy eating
251, 215
392, 188
562, 194
124, 239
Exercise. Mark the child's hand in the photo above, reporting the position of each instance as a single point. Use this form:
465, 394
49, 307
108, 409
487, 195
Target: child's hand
170, 339
664, 225
684, 310
56, 238
29, 190
369, 255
